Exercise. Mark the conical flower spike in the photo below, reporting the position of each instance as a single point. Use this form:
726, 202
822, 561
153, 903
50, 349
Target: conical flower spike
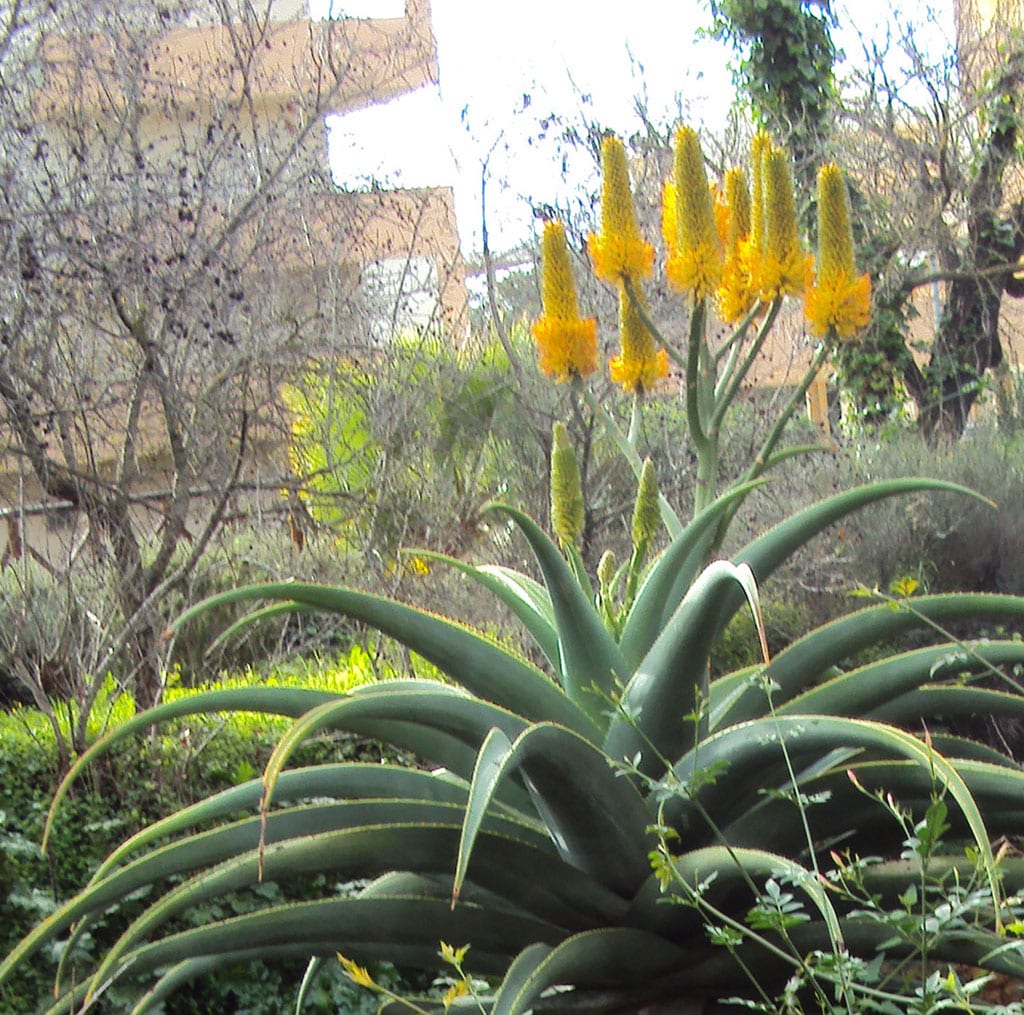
695, 267
566, 343
567, 510
639, 365
737, 293
618, 251
646, 512
758, 146
785, 266
839, 299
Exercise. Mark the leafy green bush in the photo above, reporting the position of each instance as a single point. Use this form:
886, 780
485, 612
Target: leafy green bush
136, 784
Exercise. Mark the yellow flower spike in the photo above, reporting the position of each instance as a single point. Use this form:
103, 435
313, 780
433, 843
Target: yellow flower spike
646, 512
723, 214
695, 266
785, 266
738, 292
758, 146
566, 342
639, 365
606, 570
669, 220
567, 509
618, 251
839, 299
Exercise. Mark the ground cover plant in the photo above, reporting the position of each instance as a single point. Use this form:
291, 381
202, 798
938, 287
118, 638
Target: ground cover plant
612, 826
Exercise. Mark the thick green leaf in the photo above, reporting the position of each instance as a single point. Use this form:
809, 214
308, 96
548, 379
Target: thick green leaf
405, 930
813, 656
526, 598
597, 821
287, 701
872, 686
669, 578
477, 663
609, 956
671, 682
756, 747
951, 703
591, 663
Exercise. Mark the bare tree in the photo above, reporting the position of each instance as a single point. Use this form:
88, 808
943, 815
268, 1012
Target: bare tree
169, 253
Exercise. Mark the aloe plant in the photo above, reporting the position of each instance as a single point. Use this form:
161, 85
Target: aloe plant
560, 807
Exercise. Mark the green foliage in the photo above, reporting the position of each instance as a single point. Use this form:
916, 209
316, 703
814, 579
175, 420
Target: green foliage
138, 783
787, 63
551, 794
413, 443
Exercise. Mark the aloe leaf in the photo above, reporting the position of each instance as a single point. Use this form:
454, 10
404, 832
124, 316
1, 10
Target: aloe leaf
401, 839
308, 979
597, 821
477, 663
806, 660
951, 703
526, 598
259, 616
669, 578
767, 552
591, 663
870, 687
401, 929
286, 701
671, 681
605, 957
345, 780
755, 747
438, 709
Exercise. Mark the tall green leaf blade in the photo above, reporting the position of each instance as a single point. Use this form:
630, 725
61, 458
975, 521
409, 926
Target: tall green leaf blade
668, 685
526, 598
403, 930
755, 747
591, 663
477, 663
609, 956
809, 658
872, 686
597, 821
670, 577
951, 703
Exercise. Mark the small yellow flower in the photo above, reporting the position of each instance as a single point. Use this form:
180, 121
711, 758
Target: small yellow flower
356, 973
619, 250
458, 989
785, 266
639, 365
839, 299
694, 264
737, 293
566, 343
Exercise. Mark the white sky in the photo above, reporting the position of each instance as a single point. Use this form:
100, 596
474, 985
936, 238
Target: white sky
505, 66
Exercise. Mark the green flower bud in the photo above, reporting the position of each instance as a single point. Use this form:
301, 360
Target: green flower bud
606, 570
566, 488
646, 513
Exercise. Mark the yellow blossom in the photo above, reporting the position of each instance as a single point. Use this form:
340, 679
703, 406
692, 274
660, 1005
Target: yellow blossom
566, 343
839, 299
619, 250
639, 365
737, 293
356, 973
695, 264
785, 267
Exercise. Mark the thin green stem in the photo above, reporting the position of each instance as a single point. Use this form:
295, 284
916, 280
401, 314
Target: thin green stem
733, 376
